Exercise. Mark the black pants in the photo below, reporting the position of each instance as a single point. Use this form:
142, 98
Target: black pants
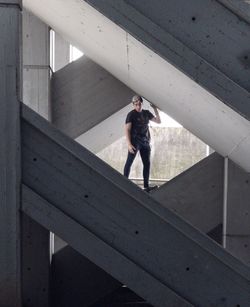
145, 150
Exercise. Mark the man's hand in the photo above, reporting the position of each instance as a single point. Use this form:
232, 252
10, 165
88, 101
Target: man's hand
131, 148
157, 118
152, 105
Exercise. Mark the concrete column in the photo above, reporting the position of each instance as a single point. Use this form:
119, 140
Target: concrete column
35, 238
61, 52
36, 64
10, 168
237, 236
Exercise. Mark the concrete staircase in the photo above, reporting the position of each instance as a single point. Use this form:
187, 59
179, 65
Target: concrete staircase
157, 48
120, 228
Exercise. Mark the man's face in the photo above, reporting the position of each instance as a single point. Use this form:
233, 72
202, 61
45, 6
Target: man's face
137, 105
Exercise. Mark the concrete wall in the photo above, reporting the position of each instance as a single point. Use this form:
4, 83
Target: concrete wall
36, 69
84, 94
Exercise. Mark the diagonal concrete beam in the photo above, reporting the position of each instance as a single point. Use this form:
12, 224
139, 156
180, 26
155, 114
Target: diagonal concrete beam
120, 228
240, 7
92, 247
83, 95
191, 41
146, 67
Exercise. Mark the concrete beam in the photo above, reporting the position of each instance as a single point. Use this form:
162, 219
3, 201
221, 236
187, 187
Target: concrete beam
196, 193
83, 95
10, 162
192, 41
102, 254
149, 72
240, 8
110, 214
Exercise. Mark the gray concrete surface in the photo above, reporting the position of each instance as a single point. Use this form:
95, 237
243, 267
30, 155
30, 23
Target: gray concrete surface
111, 214
196, 194
148, 72
83, 95
61, 52
240, 7
36, 64
36, 246
10, 160
193, 36
238, 213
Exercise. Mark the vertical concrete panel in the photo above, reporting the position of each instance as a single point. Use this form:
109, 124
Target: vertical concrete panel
238, 213
10, 174
35, 264
36, 61
36, 85
35, 40
61, 52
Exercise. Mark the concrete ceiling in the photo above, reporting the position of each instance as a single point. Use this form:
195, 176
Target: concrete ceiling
150, 75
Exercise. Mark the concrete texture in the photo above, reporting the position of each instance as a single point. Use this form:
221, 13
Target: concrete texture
94, 208
36, 69
10, 159
36, 261
207, 29
61, 52
36, 94
240, 7
148, 73
106, 132
196, 194
238, 213
83, 95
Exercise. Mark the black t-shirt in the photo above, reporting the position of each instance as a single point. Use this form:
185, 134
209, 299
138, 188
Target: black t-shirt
139, 128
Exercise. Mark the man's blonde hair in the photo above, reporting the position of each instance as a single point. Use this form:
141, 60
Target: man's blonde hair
136, 97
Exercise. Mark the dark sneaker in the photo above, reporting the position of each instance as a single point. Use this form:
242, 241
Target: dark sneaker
151, 188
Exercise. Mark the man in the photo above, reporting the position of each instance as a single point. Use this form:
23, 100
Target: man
138, 138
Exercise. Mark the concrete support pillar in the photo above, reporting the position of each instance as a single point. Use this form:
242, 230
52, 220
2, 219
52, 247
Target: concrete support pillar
61, 52
36, 64
10, 169
35, 239
237, 218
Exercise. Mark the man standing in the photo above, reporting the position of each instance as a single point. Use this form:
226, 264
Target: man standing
138, 138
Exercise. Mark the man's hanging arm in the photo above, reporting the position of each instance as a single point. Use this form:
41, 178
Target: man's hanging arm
128, 127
